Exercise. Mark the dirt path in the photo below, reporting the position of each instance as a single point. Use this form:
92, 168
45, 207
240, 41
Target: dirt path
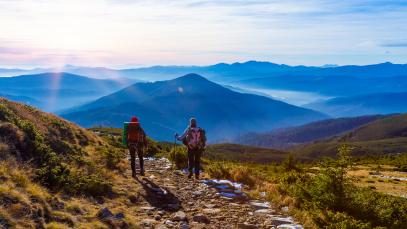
171, 200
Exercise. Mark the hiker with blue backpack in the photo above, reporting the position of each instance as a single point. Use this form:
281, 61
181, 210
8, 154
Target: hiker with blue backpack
195, 140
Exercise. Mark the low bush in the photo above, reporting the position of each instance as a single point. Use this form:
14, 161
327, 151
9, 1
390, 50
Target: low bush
179, 157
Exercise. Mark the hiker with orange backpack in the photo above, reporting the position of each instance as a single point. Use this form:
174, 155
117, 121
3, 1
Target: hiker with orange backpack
135, 139
195, 140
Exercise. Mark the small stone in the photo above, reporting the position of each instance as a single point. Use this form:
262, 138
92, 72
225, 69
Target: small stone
105, 213
184, 225
211, 210
169, 223
147, 208
157, 217
133, 199
147, 222
119, 216
179, 216
284, 209
201, 218
161, 213
262, 212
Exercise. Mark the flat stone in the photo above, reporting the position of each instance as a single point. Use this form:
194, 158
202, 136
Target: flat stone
260, 205
201, 218
147, 208
262, 212
211, 210
290, 226
179, 216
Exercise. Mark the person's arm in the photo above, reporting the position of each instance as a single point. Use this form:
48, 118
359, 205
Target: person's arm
184, 135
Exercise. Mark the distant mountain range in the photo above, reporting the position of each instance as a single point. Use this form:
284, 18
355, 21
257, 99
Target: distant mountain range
166, 106
293, 136
379, 103
383, 136
56, 91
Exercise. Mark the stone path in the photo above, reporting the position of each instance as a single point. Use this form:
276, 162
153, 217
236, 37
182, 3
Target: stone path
171, 200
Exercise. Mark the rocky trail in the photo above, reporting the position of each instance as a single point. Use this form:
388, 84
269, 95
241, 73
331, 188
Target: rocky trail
168, 199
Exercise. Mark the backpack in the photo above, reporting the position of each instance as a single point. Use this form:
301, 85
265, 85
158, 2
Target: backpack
196, 138
135, 133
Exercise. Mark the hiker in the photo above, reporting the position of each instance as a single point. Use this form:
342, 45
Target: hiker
136, 141
195, 140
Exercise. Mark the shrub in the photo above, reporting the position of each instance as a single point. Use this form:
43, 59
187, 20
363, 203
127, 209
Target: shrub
112, 156
218, 170
179, 157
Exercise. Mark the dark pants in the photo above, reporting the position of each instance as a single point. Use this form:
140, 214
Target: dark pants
133, 148
194, 160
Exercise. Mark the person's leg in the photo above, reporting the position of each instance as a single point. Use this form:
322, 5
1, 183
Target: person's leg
133, 160
140, 157
197, 163
190, 162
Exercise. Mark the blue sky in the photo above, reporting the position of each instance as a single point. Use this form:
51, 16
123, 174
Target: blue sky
123, 33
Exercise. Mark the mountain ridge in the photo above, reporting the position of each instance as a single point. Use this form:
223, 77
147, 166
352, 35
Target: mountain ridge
173, 102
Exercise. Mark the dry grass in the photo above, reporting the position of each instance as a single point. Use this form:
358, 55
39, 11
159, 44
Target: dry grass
365, 177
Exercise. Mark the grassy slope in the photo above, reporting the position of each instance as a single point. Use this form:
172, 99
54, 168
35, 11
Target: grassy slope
384, 136
241, 153
55, 174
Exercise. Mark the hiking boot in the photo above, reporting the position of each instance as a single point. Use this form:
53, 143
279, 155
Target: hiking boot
190, 175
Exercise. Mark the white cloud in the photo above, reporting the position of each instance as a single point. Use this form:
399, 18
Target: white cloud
114, 32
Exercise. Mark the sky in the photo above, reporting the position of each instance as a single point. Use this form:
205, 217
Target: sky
131, 33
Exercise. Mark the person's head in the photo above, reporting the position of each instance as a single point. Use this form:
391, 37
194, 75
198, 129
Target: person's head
192, 122
134, 119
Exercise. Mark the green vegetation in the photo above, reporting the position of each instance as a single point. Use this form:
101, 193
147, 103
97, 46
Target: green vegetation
326, 197
179, 157
55, 148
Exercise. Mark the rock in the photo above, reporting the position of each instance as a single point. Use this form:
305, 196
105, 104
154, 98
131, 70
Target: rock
119, 216
290, 226
210, 205
104, 213
260, 205
147, 208
211, 210
262, 212
147, 222
284, 209
201, 218
157, 217
184, 225
169, 223
246, 226
133, 199
179, 216
161, 213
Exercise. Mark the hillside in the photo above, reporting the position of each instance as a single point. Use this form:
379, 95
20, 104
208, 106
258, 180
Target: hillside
55, 174
244, 154
56, 91
383, 136
379, 103
289, 137
165, 107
